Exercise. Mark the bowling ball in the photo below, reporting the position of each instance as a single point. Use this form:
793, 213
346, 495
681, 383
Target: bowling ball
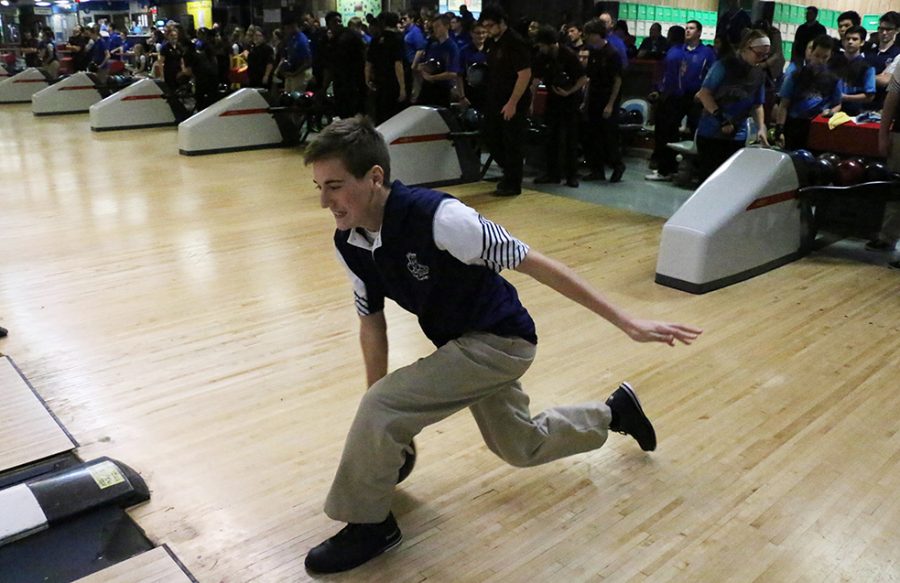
471, 119
635, 117
409, 462
622, 115
476, 74
849, 172
284, 100
833, 158
859, 159
877, 171
433, 66
823, 172
805, 156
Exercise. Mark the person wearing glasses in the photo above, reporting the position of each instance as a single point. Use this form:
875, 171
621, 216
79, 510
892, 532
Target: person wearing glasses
883, 53
733, 92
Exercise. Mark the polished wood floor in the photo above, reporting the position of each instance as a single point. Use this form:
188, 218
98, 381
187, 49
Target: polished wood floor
187, 317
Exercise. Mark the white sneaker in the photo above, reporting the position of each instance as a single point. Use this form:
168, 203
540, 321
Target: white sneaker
657, 177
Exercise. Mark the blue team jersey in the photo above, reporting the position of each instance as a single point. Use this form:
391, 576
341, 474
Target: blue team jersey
414, 41
447, 53
862, 80
737, 93
824, 92
620, 47
297, 52
685, 69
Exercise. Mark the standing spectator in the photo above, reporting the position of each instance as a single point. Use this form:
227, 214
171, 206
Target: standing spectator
98, 55
733, 92
260, 60
614, 41
385, 74
564, 76
604, 71
30, 49
845, 21
459, 32
686, 66
347, 70
77, 46
295, 65
508, 99
170, 59
653, 46
807, 92
621, 31
439, 65
857, 74
806, 32
474, 64
889, 147
732, 24
884, 54
47, 53
200, 66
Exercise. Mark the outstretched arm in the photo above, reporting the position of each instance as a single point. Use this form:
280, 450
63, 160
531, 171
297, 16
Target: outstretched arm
563, 279
373, 338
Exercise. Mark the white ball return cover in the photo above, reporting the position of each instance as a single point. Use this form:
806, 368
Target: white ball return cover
421, 148
19, 88
241, 121
743, 220
140, 105
74, 94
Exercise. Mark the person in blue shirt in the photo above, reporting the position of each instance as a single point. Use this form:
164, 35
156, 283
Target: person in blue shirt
613, 40
733, 92
474, 66
439, 65
98, 54
857, 74
460, 32
805, 93
685, 68
441, 260
295, 66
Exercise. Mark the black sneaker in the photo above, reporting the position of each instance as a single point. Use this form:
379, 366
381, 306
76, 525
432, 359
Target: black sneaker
616, 175
894, 265
879, 245
629, 418
504, 190
572, 182
354, 545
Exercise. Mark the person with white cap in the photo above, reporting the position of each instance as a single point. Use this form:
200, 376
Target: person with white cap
733, 92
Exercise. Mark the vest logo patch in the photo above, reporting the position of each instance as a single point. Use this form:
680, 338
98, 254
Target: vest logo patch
417, 270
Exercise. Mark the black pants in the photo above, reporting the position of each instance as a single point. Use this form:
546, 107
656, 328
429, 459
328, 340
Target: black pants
796, 133
349, 97
603, 141
669, 113
562, 140
505, 140
713, 152
386, 104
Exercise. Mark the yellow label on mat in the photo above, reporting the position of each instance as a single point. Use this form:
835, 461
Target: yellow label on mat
106, 474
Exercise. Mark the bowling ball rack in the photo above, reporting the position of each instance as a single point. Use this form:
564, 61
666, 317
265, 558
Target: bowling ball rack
856, 210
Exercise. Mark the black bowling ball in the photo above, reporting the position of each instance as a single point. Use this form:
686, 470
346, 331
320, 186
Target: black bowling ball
877, 171
562, 80
635, 117
433, 66
476, 74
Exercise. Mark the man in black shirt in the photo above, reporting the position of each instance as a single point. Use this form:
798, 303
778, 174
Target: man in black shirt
385, 73
805, 33
564, 76
604, 71
508, 99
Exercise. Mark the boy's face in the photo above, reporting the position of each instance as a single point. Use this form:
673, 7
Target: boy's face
852, 43
843, 26
818, 56
886, 32
348, 198
691, 33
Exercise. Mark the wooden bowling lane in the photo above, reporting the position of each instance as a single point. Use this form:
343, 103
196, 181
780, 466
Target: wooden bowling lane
28, 432
154, 566
187, 316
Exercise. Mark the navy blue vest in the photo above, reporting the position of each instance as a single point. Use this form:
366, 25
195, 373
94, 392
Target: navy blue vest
449, 297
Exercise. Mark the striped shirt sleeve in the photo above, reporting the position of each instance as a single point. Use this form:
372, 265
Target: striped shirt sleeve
475, 240
364, 306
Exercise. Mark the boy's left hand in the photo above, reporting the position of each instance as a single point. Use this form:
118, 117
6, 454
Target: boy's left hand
652, 331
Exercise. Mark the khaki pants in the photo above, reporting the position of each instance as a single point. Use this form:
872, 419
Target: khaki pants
890, 228
479, 371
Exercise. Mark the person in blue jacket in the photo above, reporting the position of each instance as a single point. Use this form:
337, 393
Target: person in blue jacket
857, 74
441, 260
807, 92
733, 92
